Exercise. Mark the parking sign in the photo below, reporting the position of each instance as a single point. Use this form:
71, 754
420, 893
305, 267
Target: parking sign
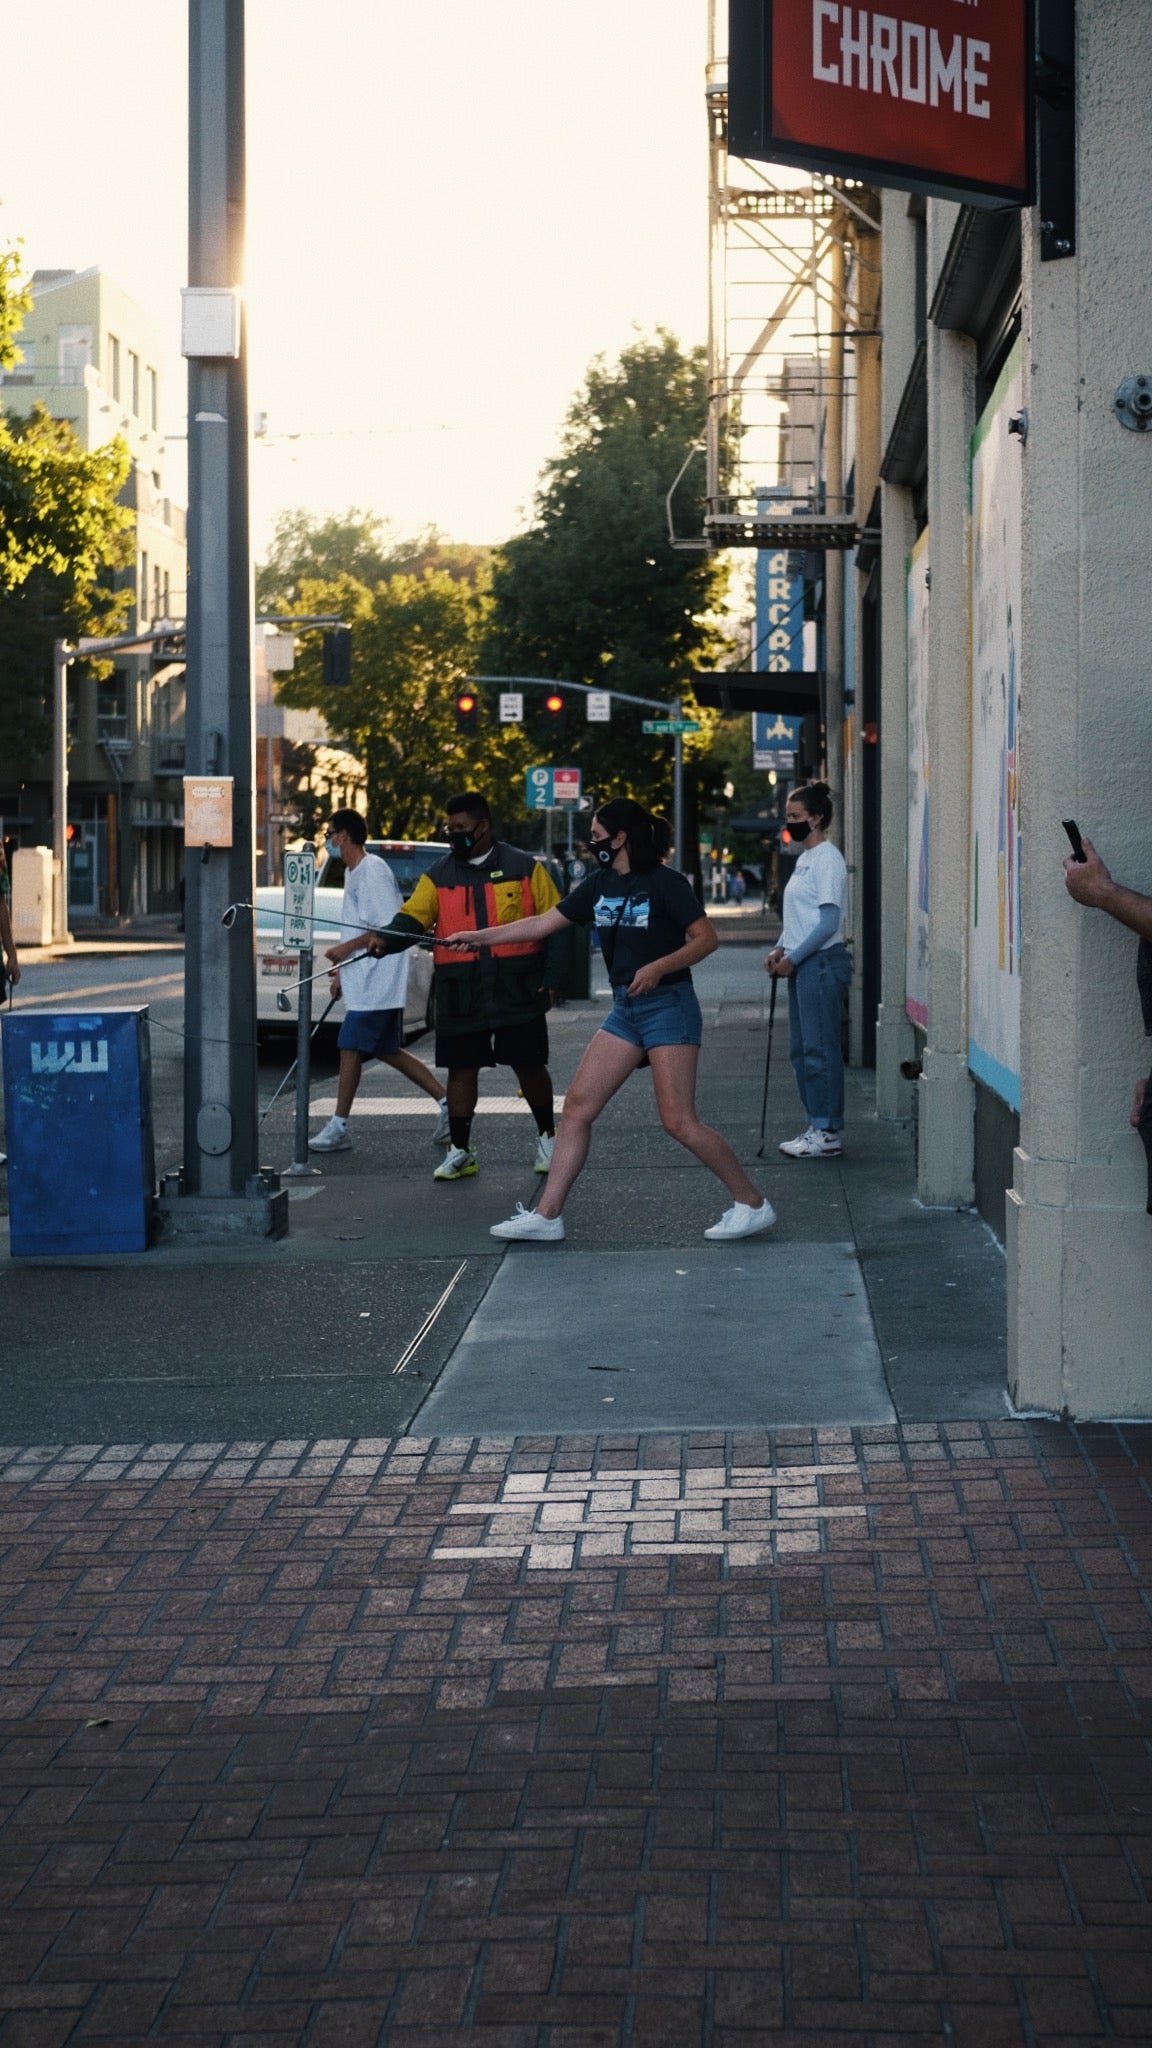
550, 788
299, 896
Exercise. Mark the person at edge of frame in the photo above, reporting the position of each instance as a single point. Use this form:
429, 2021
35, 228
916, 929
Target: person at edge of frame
652, 932
815, 962
1090, 882
491, 1007
374, 991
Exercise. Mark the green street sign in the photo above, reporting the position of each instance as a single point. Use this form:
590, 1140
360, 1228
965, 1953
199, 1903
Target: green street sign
671, 725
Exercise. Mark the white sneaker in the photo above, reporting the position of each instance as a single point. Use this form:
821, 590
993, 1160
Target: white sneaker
527, 1224
457, 1164
813, 1144
442, 1135
544, 1150
742, 1221
333, 1138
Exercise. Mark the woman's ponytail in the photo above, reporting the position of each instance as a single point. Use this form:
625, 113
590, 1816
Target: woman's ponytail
816, 798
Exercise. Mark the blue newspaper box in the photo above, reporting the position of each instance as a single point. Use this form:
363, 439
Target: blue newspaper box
78, 1113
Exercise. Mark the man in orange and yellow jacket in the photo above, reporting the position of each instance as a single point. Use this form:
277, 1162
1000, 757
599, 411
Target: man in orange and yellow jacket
491, 1005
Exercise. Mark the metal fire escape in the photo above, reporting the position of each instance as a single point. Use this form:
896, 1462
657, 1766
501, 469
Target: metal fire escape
780, 311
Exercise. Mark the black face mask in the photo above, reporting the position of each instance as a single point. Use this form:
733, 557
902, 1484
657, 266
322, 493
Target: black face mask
799, 832
462, 843
604, 851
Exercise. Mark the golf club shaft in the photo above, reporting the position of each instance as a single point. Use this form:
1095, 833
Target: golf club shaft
295, 1063
334, 966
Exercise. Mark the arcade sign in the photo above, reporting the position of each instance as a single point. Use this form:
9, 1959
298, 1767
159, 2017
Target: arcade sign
933, 96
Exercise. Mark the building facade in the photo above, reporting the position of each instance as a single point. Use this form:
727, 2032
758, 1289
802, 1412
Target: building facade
1015, 615
89, 355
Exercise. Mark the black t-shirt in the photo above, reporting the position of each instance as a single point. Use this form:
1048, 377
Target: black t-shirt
640, 918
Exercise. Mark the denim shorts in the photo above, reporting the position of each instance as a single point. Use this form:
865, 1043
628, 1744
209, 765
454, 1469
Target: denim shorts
669, 1016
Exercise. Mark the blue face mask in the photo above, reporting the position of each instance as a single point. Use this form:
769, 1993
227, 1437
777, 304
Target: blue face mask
333, 846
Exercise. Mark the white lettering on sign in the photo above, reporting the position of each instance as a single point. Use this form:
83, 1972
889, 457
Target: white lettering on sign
61, 1058
907, 60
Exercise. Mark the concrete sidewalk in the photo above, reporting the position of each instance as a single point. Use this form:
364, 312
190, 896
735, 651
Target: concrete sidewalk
859, 1307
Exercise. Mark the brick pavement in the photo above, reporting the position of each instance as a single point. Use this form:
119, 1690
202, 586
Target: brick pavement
832, 1736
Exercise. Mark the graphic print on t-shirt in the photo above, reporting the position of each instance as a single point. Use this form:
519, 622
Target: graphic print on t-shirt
628, 914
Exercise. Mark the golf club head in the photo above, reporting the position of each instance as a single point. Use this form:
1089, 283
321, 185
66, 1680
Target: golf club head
282, 1002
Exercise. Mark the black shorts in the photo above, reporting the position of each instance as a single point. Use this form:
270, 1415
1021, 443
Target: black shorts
522, 1046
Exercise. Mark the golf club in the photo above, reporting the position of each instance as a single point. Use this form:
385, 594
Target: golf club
296, 1062
768, 1061
283, 995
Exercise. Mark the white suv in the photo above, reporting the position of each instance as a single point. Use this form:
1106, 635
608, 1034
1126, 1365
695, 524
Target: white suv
278, 966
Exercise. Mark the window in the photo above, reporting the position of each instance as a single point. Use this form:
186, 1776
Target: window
112, 706
157, 593
134, 381
142, 601
153, 400
74, 353
114, 365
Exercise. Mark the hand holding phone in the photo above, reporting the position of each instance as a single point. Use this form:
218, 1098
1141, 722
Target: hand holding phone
1074, 839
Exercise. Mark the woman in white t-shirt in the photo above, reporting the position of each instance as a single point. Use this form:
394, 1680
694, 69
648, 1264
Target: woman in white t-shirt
817, 965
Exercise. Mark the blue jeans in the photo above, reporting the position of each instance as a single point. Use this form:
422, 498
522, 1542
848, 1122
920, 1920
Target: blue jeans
815, 1029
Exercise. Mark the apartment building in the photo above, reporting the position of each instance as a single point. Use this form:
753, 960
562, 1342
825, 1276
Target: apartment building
89, 354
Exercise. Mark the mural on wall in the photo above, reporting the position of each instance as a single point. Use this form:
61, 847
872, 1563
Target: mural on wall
995, 500
919, 783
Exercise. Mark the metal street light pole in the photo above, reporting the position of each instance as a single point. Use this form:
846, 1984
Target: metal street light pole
220, 1189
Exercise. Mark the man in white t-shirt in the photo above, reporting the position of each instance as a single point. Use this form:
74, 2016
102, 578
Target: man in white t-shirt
374, 991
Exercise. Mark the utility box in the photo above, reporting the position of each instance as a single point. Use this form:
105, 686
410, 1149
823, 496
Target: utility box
32, 872
78, 1115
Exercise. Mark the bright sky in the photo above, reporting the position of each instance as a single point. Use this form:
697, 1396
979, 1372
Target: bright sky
452, 208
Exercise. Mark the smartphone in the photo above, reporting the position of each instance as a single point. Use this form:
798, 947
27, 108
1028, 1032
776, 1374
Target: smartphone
1074, 839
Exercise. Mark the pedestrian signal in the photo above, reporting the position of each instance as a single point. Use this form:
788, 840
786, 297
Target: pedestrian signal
467, 711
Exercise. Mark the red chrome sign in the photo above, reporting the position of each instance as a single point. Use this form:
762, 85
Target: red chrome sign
923, 92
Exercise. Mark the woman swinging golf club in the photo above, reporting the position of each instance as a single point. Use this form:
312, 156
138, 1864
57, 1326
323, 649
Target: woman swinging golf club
652, 932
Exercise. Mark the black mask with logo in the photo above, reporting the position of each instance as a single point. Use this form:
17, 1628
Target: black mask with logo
462, 844
604, 851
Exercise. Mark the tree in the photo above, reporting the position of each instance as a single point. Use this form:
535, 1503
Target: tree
62, 536
413, 639
357, 544
594, 592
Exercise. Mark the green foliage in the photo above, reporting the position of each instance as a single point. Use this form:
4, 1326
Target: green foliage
355, 544
15, 302
62, 536
58, 501
413, 638
594, 592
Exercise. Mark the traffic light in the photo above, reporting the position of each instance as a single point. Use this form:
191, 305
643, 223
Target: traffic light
467, 711
556, 713
337, 669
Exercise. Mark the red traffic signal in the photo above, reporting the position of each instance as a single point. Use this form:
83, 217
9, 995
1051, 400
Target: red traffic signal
554, 702
467, 710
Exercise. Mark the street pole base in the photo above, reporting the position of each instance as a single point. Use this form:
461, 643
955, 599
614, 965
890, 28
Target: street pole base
301, 1169
260, 1212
